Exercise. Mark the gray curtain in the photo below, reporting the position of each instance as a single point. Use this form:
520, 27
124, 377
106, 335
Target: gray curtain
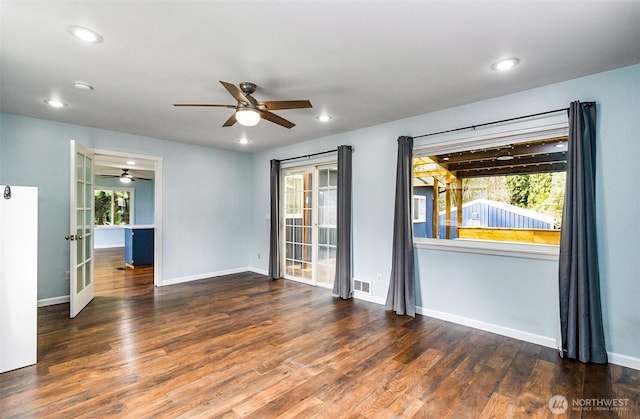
580, 311
342, 283
401, 297
274, 237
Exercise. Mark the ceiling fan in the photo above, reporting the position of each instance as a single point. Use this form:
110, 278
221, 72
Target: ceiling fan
126, 177
249, 111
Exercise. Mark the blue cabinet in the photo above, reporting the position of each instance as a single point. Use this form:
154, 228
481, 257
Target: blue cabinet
138, 246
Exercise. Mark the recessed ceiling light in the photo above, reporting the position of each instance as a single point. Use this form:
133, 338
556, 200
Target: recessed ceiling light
80, 85
131, 163
85, 34
55, 103
244, 141
560, 145
504, 65
324, 118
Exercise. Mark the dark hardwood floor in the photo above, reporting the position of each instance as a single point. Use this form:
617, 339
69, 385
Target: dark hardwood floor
243, 345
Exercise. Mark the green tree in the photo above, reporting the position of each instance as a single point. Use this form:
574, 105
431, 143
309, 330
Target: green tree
518, 188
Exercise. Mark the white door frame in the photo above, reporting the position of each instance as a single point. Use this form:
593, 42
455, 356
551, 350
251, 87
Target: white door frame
157, 207
313, 168
307, 169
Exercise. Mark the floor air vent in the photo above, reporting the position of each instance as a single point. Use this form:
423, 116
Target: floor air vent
362, 286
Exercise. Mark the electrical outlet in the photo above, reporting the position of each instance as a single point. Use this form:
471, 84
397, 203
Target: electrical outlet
258, 255
67, 275
379, 277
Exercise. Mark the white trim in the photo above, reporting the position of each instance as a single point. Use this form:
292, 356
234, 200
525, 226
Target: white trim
489, 327
110, 227
449, 145
54, 301
369, 298
486, 247
258, 271
313, 161
208, 275
108, 246
614, 358
157, 207
624, 360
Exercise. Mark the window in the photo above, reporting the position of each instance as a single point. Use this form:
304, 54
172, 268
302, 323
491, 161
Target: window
113, 206
508, 192
293, 196
419, 209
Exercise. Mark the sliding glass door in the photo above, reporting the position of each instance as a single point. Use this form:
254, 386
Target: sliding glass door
309, 207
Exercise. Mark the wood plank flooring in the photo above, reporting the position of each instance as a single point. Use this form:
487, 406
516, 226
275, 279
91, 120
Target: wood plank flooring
246, 346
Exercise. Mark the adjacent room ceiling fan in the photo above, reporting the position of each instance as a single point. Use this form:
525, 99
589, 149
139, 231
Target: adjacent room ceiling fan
249, 111
126, 177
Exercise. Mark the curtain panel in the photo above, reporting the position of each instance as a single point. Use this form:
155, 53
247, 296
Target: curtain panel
274, 233
401, 296
581, 326
342, 282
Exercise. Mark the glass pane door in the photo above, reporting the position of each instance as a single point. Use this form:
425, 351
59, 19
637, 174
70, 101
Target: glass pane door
81, 222
327, 225
309, 200
298, 224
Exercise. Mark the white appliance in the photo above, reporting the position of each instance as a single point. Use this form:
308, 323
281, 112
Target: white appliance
18, 276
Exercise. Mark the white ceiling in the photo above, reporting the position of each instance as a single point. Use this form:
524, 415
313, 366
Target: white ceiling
365, 63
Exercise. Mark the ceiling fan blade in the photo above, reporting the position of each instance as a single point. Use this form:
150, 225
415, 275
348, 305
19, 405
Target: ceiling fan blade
208, 105
274, 105
276, 119
229, 122
235, 92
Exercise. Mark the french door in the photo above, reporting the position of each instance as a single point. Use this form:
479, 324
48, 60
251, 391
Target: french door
81, 222
309, 241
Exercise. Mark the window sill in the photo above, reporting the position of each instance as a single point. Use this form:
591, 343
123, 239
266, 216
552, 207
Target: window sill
483, 247
111, 227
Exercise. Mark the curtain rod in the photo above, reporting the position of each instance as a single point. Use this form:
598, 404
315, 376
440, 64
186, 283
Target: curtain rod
313, 154
492, 123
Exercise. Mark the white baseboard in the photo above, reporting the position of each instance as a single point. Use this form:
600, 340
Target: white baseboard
624, 360
196, 277
53, 301
489, 327
258, 271
370, 298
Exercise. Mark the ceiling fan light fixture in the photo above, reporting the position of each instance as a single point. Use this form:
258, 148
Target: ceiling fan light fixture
247, 117
125, 177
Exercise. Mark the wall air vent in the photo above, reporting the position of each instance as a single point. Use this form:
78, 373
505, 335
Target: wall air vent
362, 286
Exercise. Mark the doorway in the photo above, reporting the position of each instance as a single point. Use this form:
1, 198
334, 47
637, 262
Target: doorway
140, 199
309, 200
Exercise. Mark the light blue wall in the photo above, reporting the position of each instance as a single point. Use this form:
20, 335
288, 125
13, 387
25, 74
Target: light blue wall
504, 291
206, 228
205, 202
